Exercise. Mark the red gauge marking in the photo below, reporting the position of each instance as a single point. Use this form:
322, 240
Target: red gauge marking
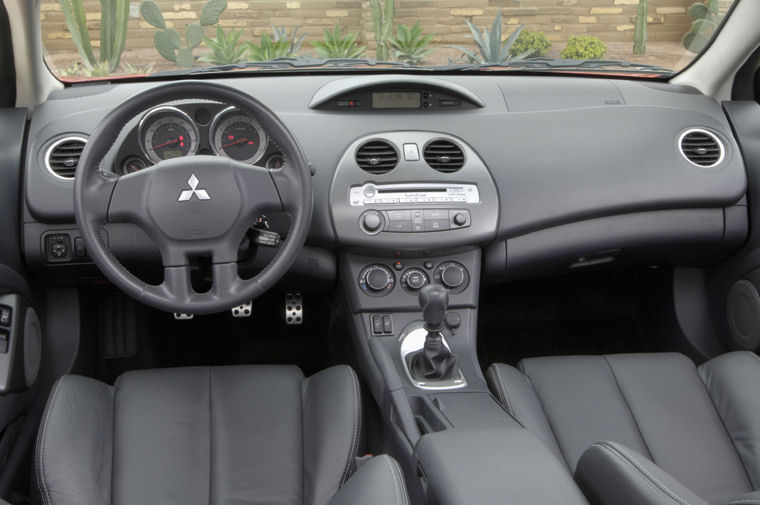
225, 146
165, 144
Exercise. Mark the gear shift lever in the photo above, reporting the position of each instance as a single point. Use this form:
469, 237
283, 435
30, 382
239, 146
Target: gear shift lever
434, 361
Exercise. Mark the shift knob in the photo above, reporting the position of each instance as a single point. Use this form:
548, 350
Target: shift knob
434, 300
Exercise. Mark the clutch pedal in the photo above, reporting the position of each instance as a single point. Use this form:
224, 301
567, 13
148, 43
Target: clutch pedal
293, 308
244, 310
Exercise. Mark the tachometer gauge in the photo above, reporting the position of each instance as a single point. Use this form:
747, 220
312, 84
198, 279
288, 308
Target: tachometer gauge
167, 132
238, 136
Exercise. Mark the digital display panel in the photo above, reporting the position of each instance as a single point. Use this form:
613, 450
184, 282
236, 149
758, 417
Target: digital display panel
396, 100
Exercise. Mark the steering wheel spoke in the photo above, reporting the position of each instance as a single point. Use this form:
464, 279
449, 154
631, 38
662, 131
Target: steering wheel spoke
177, 284
260, 193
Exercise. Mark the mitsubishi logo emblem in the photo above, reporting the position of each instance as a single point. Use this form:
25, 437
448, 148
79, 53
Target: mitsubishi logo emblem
188, 194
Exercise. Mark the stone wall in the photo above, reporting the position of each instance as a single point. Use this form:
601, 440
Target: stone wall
610, 20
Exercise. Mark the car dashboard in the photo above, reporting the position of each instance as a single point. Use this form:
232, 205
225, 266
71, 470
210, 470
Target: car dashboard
545, 175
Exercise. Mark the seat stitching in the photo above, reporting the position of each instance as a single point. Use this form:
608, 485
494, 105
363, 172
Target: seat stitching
653, 483
357, 419
44, 492
628, 406
742, 501
394, 477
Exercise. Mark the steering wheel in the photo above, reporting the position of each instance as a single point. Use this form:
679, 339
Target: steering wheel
192, 206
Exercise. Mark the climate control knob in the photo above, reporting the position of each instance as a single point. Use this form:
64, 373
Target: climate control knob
376, 280
371, 222
452, 275
414, 279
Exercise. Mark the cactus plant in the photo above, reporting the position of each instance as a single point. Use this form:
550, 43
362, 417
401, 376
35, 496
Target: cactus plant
168, 41
114, 15
382, 23
490, 47
640, 29
335, 45
706, 17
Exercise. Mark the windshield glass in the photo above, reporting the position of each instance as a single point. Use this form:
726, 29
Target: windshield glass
86, 40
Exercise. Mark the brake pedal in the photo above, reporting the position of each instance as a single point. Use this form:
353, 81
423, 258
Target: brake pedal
244, 310
293, 308
181, 316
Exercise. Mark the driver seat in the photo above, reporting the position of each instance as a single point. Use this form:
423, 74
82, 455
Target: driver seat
210, 435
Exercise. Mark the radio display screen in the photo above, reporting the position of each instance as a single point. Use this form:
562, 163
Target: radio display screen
396, 100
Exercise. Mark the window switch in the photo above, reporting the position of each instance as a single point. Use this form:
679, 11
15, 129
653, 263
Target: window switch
5, 316
387, 323
377, 325
3, 342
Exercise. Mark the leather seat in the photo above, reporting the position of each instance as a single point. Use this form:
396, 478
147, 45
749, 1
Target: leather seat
644, 428
219, 435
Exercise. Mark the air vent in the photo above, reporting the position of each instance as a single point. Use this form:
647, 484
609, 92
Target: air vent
444, 156
62, 157
701, 148
377, 157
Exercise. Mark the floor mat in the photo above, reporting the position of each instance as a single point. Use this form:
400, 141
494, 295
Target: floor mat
569, 316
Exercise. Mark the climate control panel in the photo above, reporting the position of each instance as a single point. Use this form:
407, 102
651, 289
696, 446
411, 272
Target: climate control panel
379, 280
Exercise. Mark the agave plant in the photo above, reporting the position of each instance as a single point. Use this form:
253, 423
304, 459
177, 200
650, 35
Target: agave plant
409, 45
335, 45
269, 49
489, 44
226, 48
294, 44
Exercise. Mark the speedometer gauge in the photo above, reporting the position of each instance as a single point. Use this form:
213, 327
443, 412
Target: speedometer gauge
167, 132
238, 136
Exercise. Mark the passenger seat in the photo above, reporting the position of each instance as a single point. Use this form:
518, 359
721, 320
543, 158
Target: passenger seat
644, 428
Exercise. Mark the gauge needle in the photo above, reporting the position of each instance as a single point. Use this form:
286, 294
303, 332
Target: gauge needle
225, 146
165, 144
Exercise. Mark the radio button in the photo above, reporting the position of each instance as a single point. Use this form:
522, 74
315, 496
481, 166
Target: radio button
371, 222
436, 214
459, 199
400, 226
399, 215
411, 152
436, 224
370, 191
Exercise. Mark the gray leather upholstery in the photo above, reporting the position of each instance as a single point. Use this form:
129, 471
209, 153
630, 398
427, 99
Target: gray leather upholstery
224, 435
700, 439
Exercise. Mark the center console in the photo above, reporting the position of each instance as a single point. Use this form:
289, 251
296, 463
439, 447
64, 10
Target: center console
411, 211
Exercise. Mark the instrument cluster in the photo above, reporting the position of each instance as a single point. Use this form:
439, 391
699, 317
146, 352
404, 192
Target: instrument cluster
172, 131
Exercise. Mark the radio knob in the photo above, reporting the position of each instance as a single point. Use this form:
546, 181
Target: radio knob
378, 279
460, 219
372, 221
452, 277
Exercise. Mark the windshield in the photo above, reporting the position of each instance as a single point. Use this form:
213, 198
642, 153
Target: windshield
86, 40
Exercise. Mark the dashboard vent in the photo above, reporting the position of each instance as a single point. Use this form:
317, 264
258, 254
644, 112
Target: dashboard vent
701, 148
63, 156
377, 157
444, 156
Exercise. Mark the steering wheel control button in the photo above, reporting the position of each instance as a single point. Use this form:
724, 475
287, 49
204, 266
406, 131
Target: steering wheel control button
414, 279
372, 222
5, 316
452, 275
58, 247
376, 280
411, 152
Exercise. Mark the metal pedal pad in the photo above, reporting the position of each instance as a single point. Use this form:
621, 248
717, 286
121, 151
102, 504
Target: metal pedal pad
293, 308
182, 316
244, 310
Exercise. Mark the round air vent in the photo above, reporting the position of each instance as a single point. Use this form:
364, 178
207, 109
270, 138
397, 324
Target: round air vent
444, 156
377, 157
62, 157
701, 147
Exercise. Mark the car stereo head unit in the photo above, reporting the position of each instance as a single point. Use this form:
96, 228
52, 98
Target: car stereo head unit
405, 194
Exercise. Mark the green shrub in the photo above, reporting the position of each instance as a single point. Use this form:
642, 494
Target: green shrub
226, 48
584, 47
335, 45
532, 43
410, 45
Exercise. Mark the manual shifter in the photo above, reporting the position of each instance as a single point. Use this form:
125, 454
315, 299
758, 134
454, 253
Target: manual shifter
434, 362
